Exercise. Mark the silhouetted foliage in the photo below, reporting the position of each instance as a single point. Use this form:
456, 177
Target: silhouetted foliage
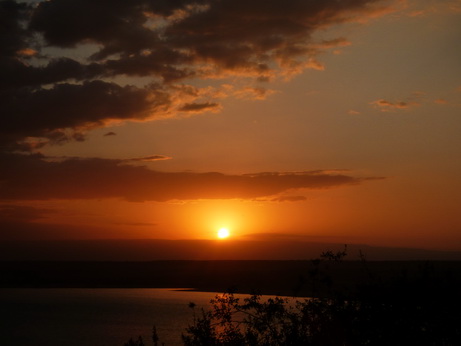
276, 321
140, 342
332, 256
133, 342
408, 309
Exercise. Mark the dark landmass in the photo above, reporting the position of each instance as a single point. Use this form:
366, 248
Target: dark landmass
210, 265
298, 278
205, 250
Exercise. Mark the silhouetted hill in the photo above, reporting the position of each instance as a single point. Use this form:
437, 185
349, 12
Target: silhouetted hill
151, 250
267, 277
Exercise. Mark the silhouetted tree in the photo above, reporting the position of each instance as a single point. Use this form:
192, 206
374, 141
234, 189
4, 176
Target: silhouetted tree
133, 342
421, 309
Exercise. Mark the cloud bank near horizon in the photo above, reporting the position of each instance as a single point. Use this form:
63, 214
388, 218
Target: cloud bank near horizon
103, 178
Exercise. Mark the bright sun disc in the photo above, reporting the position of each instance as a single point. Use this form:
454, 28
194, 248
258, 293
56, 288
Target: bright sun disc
223, 233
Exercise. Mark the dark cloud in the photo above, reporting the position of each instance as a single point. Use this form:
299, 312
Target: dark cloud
150, 158
20, 213
103, 178
41, 112
199, 107
45, 94
110, 133
13, 36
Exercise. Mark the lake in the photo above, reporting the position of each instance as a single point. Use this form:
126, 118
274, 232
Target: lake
99, 317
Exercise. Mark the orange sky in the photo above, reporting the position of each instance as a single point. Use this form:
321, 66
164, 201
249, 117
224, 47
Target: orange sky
333, 121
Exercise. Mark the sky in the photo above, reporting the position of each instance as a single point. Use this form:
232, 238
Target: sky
331, 121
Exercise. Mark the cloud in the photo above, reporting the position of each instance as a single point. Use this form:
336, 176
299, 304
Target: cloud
45, 112
110, 133
353, 112
141, 224
253, 93
103, 178
48, 97
289, 199
273, 236
434, 7
150, 158
415, 99
388, 106
455, 6
200, 107
20, 213
11, 15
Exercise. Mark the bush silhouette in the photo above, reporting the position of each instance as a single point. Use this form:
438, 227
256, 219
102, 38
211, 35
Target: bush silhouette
418, 309
400, 312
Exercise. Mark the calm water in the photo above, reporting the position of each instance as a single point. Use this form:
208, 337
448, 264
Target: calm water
94, 317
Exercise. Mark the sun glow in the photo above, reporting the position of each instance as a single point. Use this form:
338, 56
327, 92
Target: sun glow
223, 233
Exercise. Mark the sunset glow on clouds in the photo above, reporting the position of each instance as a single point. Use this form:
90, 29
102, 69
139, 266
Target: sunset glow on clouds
340, 110
99, 178
171, 43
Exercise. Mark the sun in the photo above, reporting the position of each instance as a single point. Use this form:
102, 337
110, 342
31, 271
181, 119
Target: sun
223, 233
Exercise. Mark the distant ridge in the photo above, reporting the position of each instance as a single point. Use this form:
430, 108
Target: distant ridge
152, 250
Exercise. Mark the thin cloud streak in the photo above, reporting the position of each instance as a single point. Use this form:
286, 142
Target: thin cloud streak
149, 158
388, 106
